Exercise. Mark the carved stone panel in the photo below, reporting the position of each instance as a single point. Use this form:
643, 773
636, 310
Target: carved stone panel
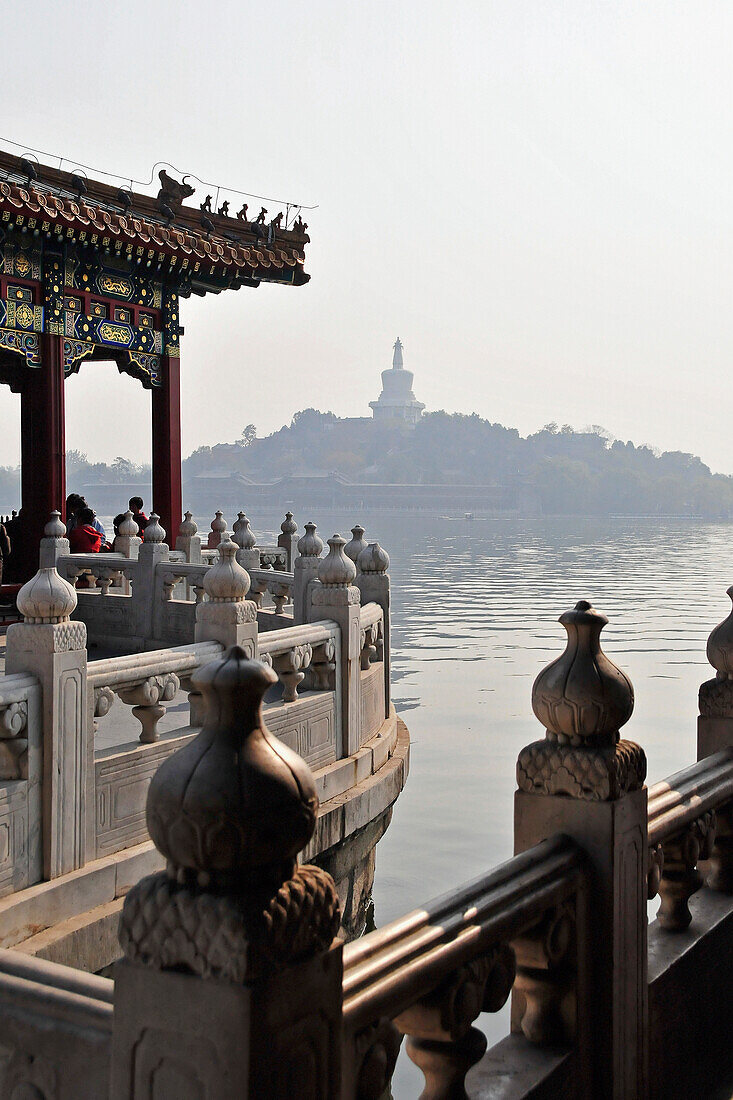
308, 725
122, 782
372, 701
14, 870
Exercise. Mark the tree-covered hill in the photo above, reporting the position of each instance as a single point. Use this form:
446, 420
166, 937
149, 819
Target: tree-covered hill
556, 470
553, 471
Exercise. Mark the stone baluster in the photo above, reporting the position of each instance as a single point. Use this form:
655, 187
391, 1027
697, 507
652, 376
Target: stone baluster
280, 595
52, 647
584, 781
291, 668
322, 671
248, 555
148, 604
232, 947
356, 545
310, 548
288, 540
218, 529
373, 583
441, 1038
679, 877
333, 596
147, 699
188, 540
227, 616
54, 543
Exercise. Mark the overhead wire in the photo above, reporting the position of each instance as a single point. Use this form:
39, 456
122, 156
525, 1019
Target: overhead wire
74, 164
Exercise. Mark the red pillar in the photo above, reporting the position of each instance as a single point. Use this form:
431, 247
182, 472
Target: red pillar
167, 501
43, 448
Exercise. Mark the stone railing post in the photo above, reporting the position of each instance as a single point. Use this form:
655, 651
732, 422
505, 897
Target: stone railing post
226, 616
230, 985
356, 545
715, 723
128, 541
218, 529
146, 597
305, 570
373, 583
582, 780
188, 540
333, 596
288, 539
53, 648
54, 544
243, 536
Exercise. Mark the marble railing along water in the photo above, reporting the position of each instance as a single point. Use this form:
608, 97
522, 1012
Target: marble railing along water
234, 945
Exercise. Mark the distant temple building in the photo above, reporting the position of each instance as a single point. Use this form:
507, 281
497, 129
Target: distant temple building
397, 401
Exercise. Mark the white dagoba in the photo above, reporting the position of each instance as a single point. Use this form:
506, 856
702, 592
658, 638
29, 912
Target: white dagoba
397, 401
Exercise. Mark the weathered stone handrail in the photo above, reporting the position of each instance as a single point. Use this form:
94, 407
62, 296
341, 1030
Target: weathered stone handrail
278, 583
430, 973
292, 651
146, 680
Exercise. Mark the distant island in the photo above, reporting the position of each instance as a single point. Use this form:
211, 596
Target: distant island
444, 461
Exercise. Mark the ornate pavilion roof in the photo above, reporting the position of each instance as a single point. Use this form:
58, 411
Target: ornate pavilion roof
202, 251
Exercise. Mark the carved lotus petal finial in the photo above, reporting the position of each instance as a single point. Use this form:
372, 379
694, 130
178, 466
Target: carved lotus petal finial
356, 545
583, 695
54, 529
336, 569
154, 532
235, 803
46, 598
226, 581
373, 559
311, 544
188, 528
243, 534
128, 528
218, 523
288, 525
720, 646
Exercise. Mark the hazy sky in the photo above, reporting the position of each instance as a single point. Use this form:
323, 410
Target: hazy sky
536, 196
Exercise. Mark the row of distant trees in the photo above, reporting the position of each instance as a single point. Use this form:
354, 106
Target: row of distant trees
555, 470
79, 472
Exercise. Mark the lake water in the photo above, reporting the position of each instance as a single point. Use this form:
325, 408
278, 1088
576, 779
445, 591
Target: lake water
474, 619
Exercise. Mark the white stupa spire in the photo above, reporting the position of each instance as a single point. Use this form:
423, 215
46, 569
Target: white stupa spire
397, 357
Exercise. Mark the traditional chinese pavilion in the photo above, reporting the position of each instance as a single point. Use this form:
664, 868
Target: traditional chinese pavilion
89, 271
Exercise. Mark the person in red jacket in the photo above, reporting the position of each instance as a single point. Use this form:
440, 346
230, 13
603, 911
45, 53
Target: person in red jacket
136, 507
84, 538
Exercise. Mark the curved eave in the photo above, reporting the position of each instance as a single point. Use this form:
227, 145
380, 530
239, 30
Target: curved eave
210, 260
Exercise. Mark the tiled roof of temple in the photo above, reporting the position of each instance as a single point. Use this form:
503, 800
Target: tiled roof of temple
208, 252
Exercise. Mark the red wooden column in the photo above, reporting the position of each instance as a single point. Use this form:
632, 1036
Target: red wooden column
167, 500
43, 447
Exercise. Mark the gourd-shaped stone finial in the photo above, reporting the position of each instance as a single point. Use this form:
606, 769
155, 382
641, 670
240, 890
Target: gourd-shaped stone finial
582, 699
720, 646
583, 695
373, 559
311, 544
188, 528
46, 598
154, 532
237, 526
128, 528
54, 529
235, 804
356, 545
288, 525
336, 570
226, 581
218, 527
244, 535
